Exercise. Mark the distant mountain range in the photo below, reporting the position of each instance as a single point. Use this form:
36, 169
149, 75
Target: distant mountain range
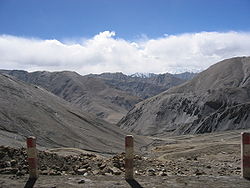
109, 95
216, 99
142, 85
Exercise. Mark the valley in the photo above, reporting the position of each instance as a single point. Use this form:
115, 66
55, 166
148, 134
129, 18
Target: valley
109, 96
124, 94
187, 132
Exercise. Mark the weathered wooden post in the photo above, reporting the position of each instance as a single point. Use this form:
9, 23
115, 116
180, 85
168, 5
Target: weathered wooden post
129, 155
32, 157
245, 155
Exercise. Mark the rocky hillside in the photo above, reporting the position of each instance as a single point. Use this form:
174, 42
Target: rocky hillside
91, 94
216, 99
30, 110
13, 161
109, 95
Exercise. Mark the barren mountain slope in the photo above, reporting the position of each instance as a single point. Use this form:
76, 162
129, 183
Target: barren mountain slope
30, 110
109, 95
91, 94
217, 99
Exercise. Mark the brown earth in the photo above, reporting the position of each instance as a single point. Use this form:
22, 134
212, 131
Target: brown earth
209, 160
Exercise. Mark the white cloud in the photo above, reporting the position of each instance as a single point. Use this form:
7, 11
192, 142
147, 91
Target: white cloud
106, 53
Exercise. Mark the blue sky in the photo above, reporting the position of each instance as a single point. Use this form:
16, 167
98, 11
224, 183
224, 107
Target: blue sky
129, 18
94, 36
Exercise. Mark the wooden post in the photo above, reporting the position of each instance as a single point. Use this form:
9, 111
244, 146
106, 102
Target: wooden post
32, 157
129, 155
245, 155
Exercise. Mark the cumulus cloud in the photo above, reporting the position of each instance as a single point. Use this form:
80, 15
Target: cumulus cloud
107, 53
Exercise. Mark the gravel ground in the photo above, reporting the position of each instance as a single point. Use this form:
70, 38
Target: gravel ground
210, 160
7, 181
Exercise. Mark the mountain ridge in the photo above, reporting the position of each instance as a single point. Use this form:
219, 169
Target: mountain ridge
27, 110
108, 95
218, 95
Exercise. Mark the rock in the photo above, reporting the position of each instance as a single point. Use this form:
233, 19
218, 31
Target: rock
55, 173
102, 166
13, 162
24, 167
199, 173
72, 173
2, 154
7, 164
95, 172
99, 164
43, 167
137, 172
115, 171
64, 173
81, 181
118, 164
44, 172
107, 174
85, 166
151, 172
57, 165
8, 170
137, 157
20, 173
81, 171
162, 173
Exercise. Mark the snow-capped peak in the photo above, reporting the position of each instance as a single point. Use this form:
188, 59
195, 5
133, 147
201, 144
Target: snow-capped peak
142, 75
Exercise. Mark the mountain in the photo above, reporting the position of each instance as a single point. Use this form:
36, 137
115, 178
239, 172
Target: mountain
109, 95
140, 85
27, 110
143, 75
216, 99
89, 93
